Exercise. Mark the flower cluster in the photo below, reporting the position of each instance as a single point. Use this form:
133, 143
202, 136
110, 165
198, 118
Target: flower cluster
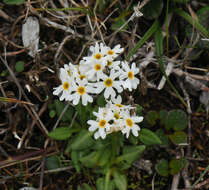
114, 117
96, 73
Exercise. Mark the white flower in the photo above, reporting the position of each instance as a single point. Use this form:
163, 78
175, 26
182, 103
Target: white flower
113, 65
94, 70
128, 74
97, 53
109, 83
81, 92
70, 69
129, 125
101, 123
111, 54
65, 89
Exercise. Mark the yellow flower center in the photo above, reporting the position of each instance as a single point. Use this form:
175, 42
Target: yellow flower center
116, 116
81, 90
130, 75
97, 67
82, 77
108, 82
102, 123
129, 122
66, 85
110, 52
69, 73
97, 56
109, 63
119, 105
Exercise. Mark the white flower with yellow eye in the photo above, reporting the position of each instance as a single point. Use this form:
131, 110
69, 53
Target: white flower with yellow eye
70, 69
65, 89
97, 53
95, 69
128, 75
80, 91
109, 83
111, 54
104, 116
129, 124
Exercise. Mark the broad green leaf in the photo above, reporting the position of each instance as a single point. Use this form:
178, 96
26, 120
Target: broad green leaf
108, 184
53, 162
61, 133
19, 66
104, 157
163, 116
179, 137
82, 140
177, 120
91, 159
152, 117
148, 137
146, 36
176, 165
100, 184
75, 160
131, 153
68, 114
152, 9
163, 137
14, 2
101, 100
120, 180
162, 167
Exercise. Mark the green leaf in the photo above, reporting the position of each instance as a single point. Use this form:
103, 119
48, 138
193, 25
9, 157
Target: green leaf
139, 110
53, 162
90, 160
104, 157
130, 153
152, 117
163, 116
75, 160
178, 137
148, 137
119, 23
177, 120
146, 36
19, 66
101, 100
162, 167
84, 186
100, 184
120, 180
176, 165
68, 114
164, 138
52, 113
14, 2
193, 22
181, 1
61, 133
82, 140
152, 9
